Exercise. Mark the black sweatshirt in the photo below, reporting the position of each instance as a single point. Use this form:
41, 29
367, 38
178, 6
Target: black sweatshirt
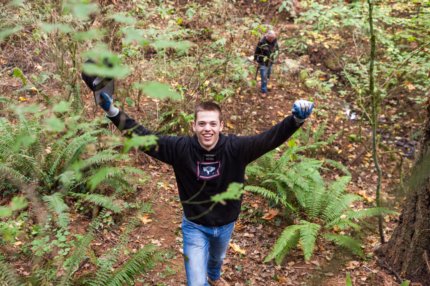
265, 51
201, 174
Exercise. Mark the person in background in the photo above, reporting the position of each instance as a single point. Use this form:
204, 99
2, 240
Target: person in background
265, 55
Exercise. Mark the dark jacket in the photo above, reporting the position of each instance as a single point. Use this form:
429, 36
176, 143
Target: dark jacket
201, 174
265, 51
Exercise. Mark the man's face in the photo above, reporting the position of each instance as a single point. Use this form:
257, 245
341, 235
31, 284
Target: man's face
207, 127
270, 37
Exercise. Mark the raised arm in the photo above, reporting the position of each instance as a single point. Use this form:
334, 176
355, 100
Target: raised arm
167, 147
252, 147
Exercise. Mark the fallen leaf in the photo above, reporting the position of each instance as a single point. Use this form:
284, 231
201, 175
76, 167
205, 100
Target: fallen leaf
271, 214
236, 248
145, 219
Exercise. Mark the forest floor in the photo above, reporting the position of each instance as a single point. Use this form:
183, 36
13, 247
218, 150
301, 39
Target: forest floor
258, 226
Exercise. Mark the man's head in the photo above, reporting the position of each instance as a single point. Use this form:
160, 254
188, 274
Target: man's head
270, 36
207, 124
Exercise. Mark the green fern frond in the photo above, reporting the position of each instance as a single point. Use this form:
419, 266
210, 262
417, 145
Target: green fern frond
8, 277
319, 132
13, 175
338, 187
72, 263
316, 200
101, 158
337, 206
101, 200
370, 212
308, 235
58, 206
105, 173
343, 222
71, 151
339, 166
288, 239
346, 242
265, 193
138, 264
107, 261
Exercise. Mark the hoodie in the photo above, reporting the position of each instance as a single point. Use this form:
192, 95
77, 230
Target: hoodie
201, 174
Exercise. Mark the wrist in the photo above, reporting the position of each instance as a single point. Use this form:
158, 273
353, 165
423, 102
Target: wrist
112, 112
298, 120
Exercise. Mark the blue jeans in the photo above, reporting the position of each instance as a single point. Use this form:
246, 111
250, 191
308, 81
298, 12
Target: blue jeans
204, 251
265, 72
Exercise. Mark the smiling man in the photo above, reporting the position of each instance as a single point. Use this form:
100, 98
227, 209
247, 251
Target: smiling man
204, 165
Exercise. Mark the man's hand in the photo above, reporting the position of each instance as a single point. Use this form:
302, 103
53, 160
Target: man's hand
302, 109
106, 103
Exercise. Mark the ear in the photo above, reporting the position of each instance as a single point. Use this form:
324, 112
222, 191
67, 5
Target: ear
193, 124
221, 126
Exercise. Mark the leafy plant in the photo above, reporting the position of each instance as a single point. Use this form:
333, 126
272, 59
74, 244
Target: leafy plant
348, 279
322, 208
61, 157
66, 269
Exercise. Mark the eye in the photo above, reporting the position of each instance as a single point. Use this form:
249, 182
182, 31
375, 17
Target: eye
201, 124
213, 124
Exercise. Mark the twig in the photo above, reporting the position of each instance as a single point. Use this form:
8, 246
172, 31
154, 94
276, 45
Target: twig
426, 259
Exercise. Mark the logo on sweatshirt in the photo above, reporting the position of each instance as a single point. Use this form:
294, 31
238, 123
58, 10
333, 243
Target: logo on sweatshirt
208, 170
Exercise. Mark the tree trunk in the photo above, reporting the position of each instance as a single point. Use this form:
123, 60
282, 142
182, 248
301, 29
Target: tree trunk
408, 250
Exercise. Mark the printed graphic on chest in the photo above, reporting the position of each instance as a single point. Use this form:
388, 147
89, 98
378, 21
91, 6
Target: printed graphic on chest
208, 170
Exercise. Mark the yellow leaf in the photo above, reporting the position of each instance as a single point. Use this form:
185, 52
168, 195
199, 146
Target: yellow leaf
22, 99
230, 125
145, 219
236, 248
365, 196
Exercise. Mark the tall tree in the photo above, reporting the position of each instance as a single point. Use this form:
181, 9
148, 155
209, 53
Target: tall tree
408, 250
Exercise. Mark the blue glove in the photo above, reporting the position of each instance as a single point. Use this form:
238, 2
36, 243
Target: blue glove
302, 109
106, 103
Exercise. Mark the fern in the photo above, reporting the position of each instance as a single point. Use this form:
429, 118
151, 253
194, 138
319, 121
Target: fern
338, 187
337, 206
101, 200
139, 263
107, 261
81, 248
56, 204
288, 239
105, 173
297, 184
71, 151
308, 235
12, 175
265, 193
7, 274
371, 212
347, 242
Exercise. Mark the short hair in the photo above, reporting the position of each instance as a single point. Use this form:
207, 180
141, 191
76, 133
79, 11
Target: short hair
207, 106
271, 33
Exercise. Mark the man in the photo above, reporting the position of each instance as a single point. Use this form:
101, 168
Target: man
265, 54
204, 165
